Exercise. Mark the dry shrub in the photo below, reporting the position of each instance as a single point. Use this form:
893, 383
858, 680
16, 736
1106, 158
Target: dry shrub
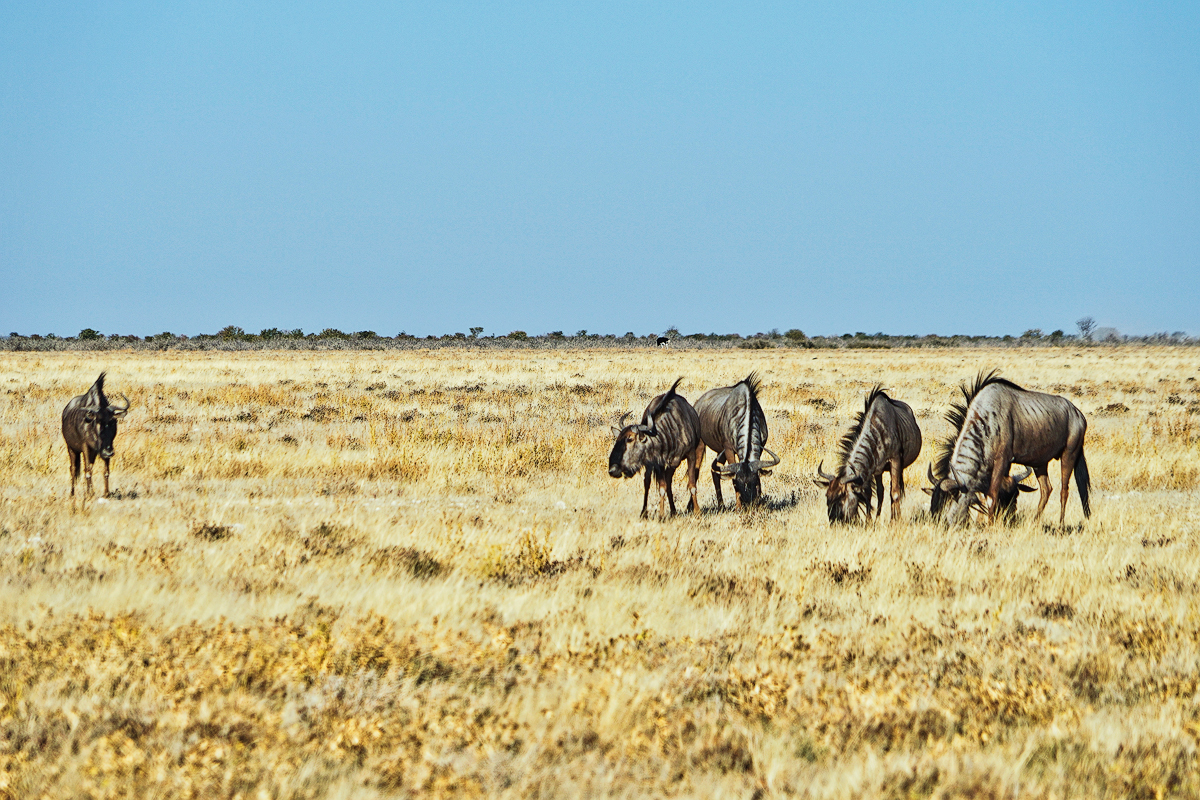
210, 532
410, 560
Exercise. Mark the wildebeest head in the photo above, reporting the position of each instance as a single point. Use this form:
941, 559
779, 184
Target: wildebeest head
628, 452
745, 476
98, 428
949, 491
845, 496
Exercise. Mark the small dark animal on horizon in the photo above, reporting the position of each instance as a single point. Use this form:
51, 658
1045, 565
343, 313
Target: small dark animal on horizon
999, 424
668, 433
884, 438
733, 424
89, 426
663, 341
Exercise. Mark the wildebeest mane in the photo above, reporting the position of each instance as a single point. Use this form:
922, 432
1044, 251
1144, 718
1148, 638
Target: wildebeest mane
847, 442
658, 408
94, 396
957, 417
752, 382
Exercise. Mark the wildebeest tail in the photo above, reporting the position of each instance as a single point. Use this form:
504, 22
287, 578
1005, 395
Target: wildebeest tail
1083, 483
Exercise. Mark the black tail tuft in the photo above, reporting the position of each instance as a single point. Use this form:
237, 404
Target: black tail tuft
1083, 483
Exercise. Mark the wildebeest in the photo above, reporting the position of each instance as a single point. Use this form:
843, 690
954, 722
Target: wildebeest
1000, 424
1010, 489
668, 433
884, 437
89, 425
733, 424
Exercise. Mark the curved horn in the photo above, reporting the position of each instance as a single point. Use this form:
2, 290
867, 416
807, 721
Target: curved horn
774, 461
1018, 478
932, 478
118, 410
821, 471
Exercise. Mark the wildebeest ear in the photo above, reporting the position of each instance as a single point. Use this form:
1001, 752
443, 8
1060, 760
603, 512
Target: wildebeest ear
927, 490
764, 472
616, 431
947, 485
824, 484
1022, 487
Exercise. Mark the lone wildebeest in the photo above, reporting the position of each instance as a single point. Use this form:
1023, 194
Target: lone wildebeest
733, 424
669, 432
884, 437
89, 425
1000, 424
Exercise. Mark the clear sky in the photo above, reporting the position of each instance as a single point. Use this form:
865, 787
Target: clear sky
427, 167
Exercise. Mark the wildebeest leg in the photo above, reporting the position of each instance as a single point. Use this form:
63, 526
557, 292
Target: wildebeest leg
106, 477
878, 497
897, 488
665, 479
1000, 465
646, 489
718, 461
695, 459
732, 458
1044, 489
1068, 464
89, 459
74, 456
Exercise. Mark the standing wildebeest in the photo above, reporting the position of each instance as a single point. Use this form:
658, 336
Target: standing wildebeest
733, 424
1001, 424
883, 437
89, 424
669, 432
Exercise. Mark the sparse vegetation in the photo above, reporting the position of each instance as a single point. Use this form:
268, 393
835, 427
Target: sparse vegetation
393, 572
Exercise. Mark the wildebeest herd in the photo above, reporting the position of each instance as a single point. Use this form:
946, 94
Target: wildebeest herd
996, 425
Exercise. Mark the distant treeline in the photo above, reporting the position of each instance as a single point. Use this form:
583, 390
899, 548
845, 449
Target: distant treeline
234, 338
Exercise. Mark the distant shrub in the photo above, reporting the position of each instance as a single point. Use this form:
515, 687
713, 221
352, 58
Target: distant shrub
518, 335
795, 335
89, 335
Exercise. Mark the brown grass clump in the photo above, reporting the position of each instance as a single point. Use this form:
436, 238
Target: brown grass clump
396, 573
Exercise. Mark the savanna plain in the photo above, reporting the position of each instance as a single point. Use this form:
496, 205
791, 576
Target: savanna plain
386, 574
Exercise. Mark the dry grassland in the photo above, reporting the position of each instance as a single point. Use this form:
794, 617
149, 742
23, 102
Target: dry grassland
378, 574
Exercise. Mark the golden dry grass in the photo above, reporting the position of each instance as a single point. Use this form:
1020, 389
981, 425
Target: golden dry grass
375, 574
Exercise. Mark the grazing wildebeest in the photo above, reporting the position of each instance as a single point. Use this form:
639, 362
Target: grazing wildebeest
1000, 424
669, 432
663, 341
884, 437
89, 424
1010, 489
733, 424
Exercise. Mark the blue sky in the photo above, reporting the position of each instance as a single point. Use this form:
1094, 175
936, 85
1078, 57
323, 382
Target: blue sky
906, 168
